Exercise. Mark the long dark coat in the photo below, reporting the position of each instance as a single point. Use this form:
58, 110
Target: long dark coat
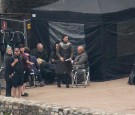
7, 66
64, 50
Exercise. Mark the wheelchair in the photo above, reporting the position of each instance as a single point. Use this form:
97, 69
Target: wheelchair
33, 79
80, 76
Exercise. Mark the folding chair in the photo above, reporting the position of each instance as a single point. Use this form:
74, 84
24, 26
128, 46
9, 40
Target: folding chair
80, 76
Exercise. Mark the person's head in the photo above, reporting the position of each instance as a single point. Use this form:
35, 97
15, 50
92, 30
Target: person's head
27, 50
9, 51
56, 45
40, 47
21, 47
65, 39
17, 51
80, 49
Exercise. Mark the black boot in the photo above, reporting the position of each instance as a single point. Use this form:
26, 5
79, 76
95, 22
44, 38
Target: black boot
67, 80
58, 80
67, 85
58, 85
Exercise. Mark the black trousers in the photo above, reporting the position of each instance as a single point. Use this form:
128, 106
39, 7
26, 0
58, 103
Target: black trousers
64, 77
8, 88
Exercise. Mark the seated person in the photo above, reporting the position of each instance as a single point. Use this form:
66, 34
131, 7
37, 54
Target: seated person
46, 70
40, 52
34, 67
53, 56
82, 58
80, 63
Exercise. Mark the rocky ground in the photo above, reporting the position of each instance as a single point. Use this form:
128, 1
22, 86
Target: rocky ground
109, 96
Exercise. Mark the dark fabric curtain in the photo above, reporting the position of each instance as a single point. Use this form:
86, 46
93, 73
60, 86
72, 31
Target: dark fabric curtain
94, 48
110, 63
40, 34
103, 50
75, 32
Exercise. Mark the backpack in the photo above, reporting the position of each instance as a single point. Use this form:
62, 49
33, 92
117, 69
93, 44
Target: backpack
131, 80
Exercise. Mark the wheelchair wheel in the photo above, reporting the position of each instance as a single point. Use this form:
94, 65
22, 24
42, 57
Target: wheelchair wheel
32, 80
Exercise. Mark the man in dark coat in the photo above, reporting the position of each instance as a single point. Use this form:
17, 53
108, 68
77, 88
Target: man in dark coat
65, 55
40, 52
17, 72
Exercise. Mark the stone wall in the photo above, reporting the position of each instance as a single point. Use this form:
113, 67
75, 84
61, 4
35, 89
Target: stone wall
14, 106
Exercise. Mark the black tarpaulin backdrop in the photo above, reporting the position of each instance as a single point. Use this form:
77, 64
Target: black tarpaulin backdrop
106, 27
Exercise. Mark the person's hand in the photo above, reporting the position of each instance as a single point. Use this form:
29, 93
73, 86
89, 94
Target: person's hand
70, 59
31, 63
16, 60
26, 54
62, 59
10, 76
53, 60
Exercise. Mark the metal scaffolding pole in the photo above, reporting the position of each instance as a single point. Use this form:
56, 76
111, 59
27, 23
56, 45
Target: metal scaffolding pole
25, 32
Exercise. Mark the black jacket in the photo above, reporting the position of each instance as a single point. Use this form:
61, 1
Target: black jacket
43, 55
7, 65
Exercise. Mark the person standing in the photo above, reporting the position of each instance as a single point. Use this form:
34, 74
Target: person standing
27, 65
8, 79
17, 74
64, 66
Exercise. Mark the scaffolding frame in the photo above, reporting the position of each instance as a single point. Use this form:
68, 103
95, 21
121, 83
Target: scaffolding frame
22, 23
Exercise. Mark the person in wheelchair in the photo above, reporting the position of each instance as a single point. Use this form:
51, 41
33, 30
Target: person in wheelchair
81, 59
34, 69
80, 68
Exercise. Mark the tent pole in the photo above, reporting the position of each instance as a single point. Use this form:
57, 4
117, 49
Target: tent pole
25, 32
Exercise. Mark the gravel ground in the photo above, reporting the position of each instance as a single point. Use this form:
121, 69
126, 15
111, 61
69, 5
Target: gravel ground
109, 96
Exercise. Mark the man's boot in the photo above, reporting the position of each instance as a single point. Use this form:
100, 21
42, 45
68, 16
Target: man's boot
58, 81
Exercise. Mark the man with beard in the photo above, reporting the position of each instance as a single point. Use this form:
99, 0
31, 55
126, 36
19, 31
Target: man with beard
64, 66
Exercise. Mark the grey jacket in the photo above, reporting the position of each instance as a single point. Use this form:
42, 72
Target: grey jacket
81, 59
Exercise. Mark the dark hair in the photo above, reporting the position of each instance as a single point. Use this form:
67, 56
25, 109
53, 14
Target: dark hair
27, 50
16, 49
54, 46
21, 45
63, 37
